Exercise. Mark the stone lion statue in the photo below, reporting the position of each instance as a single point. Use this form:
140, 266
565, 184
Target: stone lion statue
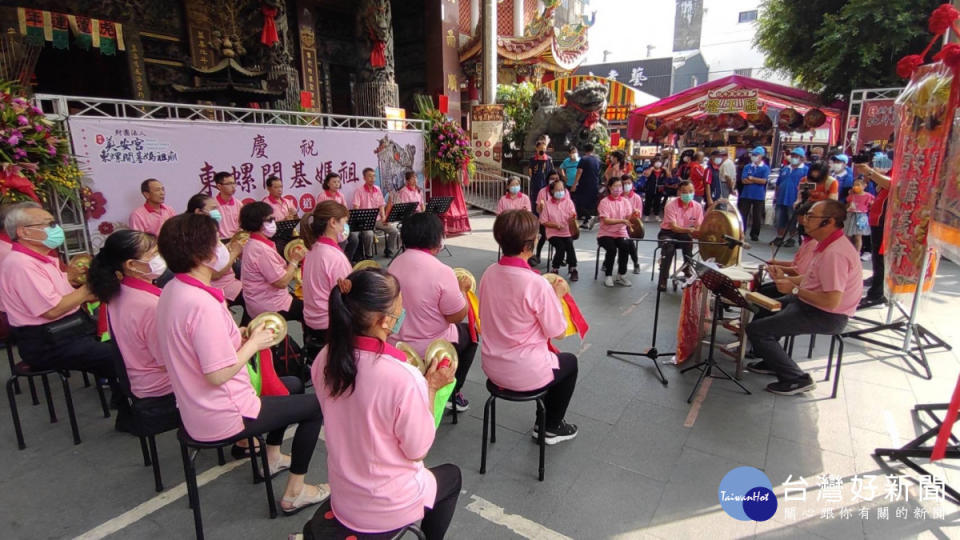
578, 122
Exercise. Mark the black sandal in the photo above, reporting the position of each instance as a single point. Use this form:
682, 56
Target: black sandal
241, 452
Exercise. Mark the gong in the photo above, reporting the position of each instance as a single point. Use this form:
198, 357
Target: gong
716, 224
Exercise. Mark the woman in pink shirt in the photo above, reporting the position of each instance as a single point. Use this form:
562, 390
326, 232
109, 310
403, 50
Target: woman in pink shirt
513, 199
379, 415
121, 277
555, 217
637, 203
409, 194
324, 264
206, 361
331, 192
520, 312
614, 209
264, 274
225, 279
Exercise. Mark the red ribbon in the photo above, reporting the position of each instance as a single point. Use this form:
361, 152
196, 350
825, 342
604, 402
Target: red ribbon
378, 58
471, 324
592, 116
576, 317
269, 34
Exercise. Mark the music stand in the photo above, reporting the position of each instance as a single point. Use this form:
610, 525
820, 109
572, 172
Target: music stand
400, 212
284, 233
362, 220
439, 206
722, 287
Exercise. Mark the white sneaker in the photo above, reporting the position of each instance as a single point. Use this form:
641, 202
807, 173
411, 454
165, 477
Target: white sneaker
623, 281
608, 281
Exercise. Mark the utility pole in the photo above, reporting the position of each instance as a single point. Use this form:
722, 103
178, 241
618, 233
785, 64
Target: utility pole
489, 52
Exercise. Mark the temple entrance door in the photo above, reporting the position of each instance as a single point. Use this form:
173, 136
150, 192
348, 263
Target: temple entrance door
76, 72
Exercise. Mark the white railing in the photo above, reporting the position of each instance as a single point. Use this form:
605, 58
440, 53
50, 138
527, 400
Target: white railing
488, 185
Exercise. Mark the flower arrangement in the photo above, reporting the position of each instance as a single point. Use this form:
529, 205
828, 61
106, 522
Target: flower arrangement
34, 153
448, 148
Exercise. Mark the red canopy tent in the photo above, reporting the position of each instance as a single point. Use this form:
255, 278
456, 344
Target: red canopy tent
696, 103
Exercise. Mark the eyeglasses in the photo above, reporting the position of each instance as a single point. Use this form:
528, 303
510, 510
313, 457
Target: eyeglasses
270, 219
50, 223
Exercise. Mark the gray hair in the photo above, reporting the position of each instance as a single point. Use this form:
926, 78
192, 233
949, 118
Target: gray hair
15, 215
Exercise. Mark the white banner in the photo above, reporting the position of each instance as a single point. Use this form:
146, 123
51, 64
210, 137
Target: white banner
119, 154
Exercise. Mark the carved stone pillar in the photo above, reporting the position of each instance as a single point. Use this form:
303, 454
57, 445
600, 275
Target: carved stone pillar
376, 85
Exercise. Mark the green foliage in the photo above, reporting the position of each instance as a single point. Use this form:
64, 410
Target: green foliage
516, 99
834, 46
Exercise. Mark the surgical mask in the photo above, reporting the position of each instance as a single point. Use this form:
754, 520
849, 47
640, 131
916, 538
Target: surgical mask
55, 236
220, 258
686, 197
794, 161
157, 266
756, 159
399, 322
216, 215
514, 189
559, 194
346, 229
627, 187
836, 167
718, 160
616, 192
269, 229
657, 165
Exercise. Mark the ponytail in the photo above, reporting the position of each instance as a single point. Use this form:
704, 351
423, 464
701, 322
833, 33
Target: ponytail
106, 268
314, 224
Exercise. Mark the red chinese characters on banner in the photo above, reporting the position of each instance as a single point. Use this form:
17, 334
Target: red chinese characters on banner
878, 120
924, 111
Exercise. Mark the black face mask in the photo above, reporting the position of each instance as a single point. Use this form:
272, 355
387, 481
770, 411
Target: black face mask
541, 152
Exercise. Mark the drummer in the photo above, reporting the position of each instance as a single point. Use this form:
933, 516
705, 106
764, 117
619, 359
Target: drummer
322, 230
223, 279
801, 259
514, 198
264, 274
681, 222
434, 299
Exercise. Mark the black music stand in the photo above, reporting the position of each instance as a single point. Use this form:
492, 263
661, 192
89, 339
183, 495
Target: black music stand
439, 206
652, 353
722, 287
400, 211
284, 233
362, 220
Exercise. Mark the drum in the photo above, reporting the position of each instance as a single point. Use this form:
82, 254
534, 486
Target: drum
716, 225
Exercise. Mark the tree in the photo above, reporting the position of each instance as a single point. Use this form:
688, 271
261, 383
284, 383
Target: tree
834, 46
515, 99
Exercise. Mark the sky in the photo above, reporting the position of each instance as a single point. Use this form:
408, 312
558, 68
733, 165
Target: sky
626, 27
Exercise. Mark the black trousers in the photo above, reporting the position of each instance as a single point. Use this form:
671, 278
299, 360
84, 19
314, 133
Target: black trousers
652, 199
876, 260
541, 241
74, 348
668, 249
313, 340
278, 412
561, 389
751, 210
349, 246
563, 251
466, 351
618, 248
633, 253
437, 520
295, 311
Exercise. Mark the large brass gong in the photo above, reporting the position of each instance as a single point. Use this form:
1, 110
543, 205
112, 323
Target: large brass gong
716, 224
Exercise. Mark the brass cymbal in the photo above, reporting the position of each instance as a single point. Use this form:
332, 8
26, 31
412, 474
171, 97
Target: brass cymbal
240, 237
292, 246
366, 263
273, 321
551, 278
464, 272
412, 357
439, 350
81, 264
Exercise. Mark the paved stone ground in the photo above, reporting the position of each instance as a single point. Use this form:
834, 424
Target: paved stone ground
635, 471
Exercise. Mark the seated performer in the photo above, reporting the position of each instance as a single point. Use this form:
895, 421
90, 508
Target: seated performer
409, 194
379, 411
555, 218
223, 279
681, 220
636, 201
331, 191
801, 259
229, 208
6, 244
614, 210
264, 274
325, 263
369, 196
513, 199
283, 209
121, 277
150, 217
820, 301
519, 320
434, 300
207, 361
44, 310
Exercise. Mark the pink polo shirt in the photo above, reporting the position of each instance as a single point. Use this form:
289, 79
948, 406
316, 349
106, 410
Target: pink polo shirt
376, 436
229, 216
614, 208
804, 255
262, 266
635, 201
281, 207
5, 245
520, 312
369, 197
133, 321
543, 195
324, 264
31, 285
430, 291
149, 220
682, 215
327, 195
229, 284
197, 336
836, 267
407, 195
510, 202
558, 211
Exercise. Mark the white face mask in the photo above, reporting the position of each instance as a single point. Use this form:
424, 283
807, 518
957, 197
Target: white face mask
756, 159
657, 165
269, 229
836, 167
220, 258
157, 267
718, 160
794, 161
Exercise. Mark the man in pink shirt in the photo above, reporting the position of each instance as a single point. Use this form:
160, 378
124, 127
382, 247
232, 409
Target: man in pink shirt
150, 217
369, 196
681, 221
43, 308
229, 208
6, 244
283, 210
821, 300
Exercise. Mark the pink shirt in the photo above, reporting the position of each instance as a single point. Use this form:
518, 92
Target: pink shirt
804, 255
133, 324
229, 217
407, 195
682, 215
149, 220
520, 201
430, 291
5, 245
31, 285
229, 284
281, 207
326, 195
198, 336
376, 436
519, 312
614, 208
262, 266
635, 201
324, 264
836, 267
860, 201
558, 211
369, 197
